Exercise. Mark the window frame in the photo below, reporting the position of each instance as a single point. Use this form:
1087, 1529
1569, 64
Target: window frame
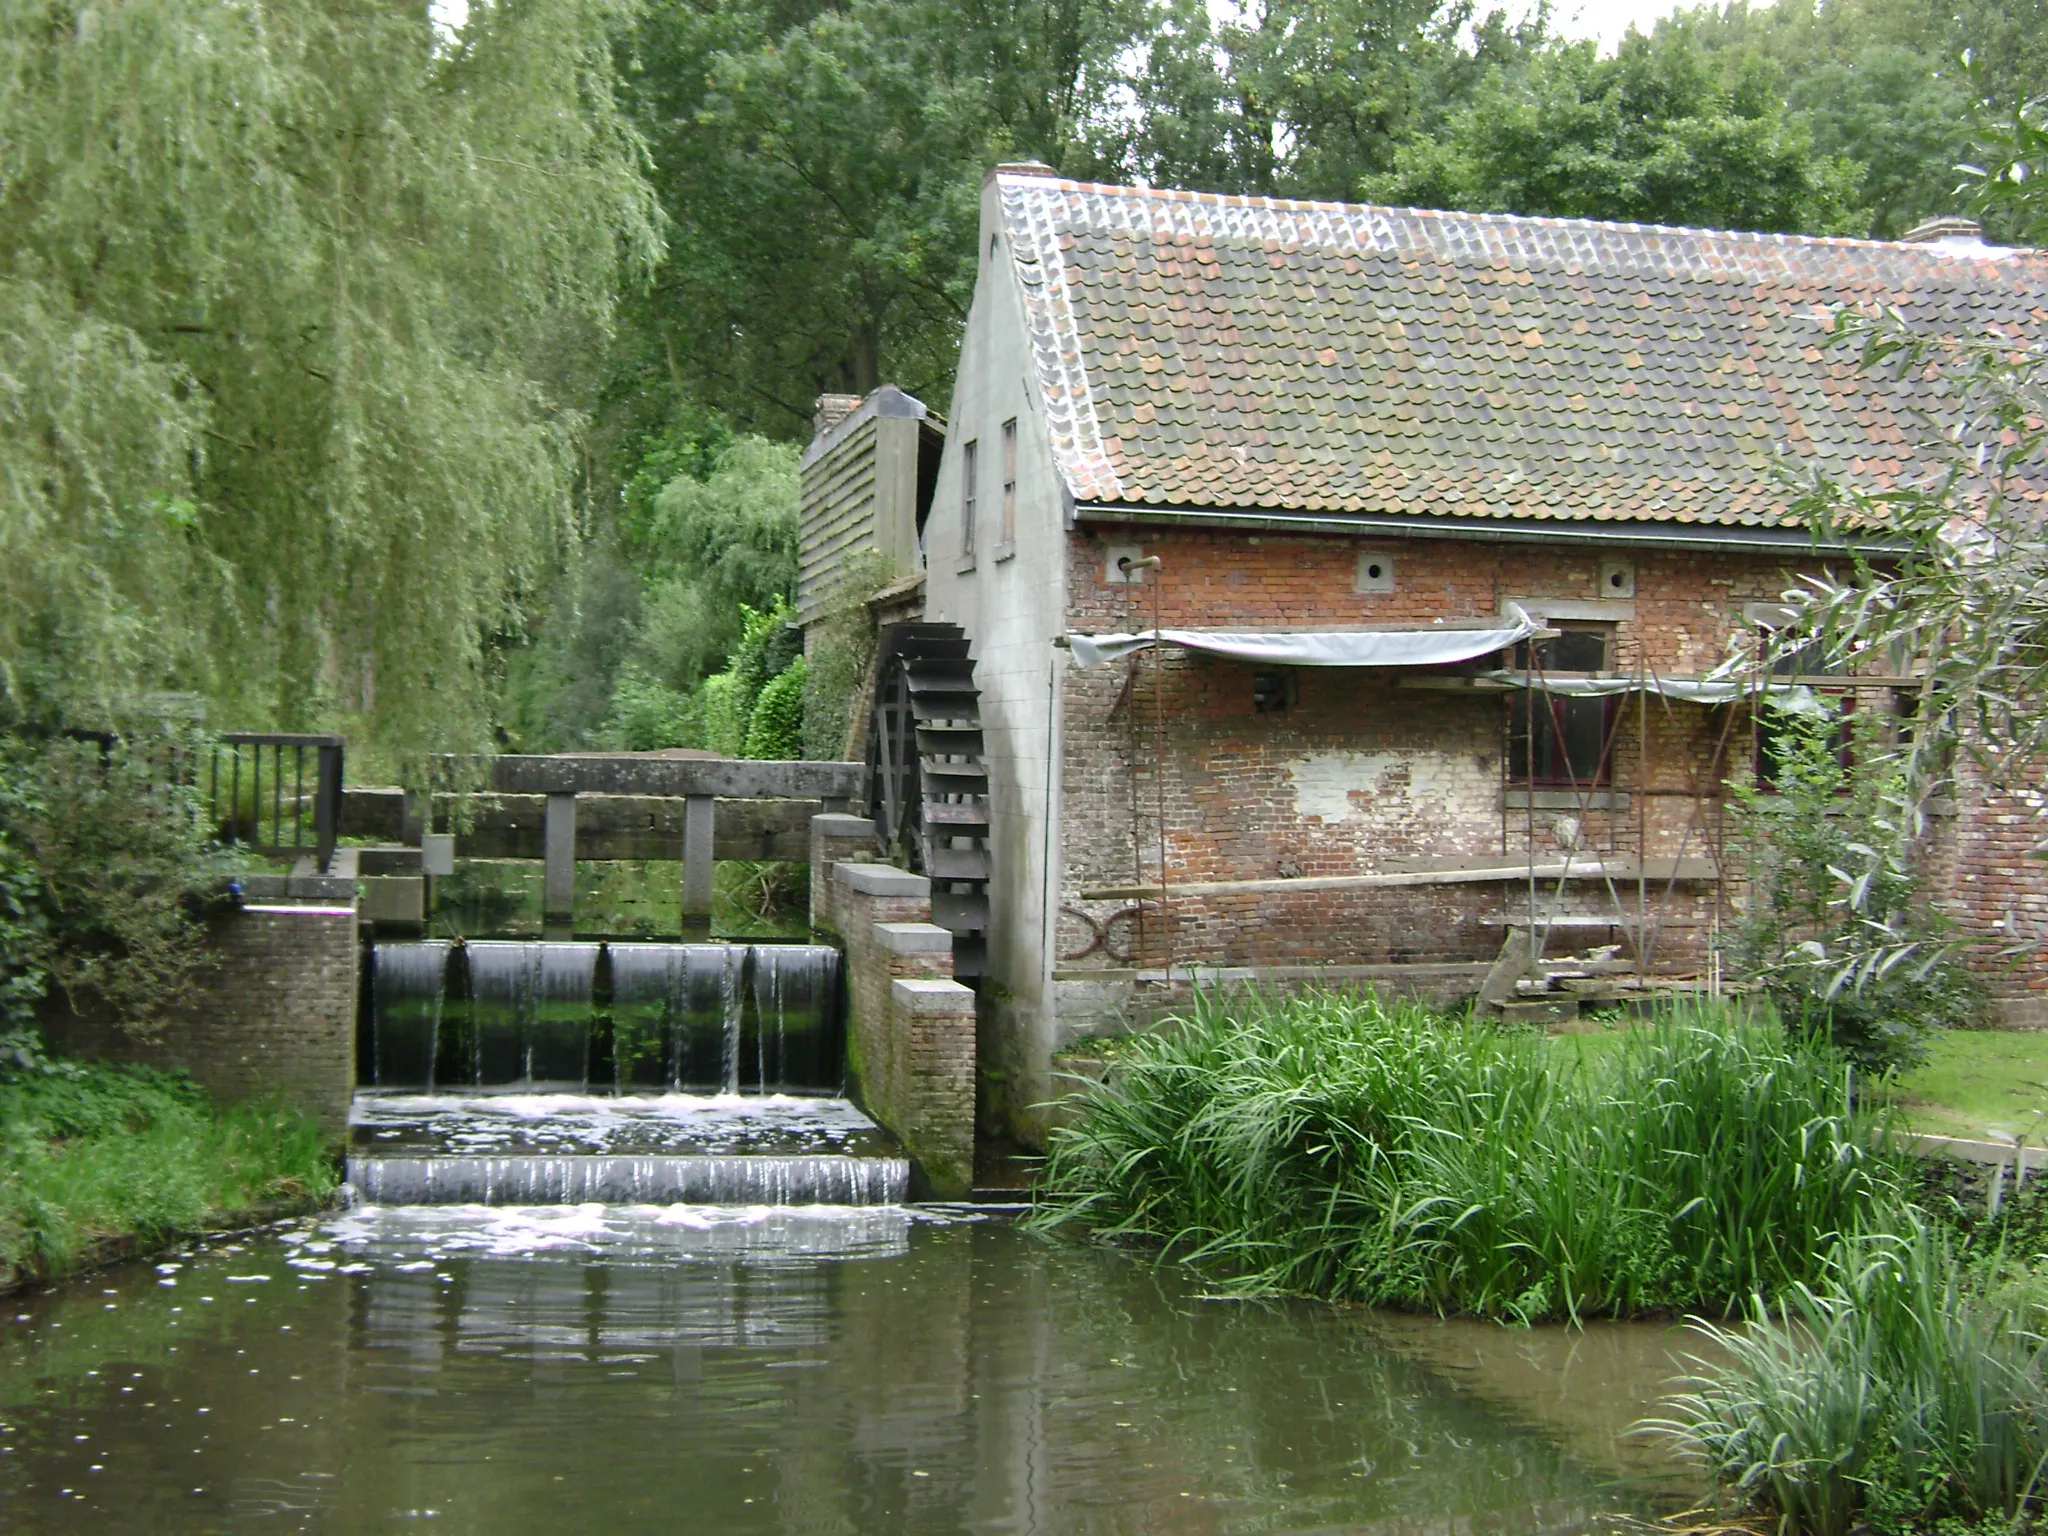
1009, 516
1551, 747
970, 454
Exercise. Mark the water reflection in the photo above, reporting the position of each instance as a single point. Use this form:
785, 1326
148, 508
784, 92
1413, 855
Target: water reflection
844, 1371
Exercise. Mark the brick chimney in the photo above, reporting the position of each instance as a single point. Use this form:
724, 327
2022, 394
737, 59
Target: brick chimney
1949, 229
833, 409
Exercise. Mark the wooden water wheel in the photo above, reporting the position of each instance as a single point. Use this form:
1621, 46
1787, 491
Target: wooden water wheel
928, 783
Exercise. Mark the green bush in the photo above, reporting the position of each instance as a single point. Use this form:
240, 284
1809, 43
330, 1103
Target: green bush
1332, 1145
102, 858
777, 728
647, 715
766, 648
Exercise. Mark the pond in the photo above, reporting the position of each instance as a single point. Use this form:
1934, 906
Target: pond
811, 1369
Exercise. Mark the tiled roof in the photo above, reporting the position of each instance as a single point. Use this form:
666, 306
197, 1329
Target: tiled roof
1198, 351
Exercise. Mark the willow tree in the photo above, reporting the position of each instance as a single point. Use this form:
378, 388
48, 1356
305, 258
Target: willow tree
283, 284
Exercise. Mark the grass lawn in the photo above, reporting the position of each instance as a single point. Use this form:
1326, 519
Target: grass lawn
1988, 1084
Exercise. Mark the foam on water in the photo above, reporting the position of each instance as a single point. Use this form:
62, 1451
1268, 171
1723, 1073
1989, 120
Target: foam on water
743, 1179
388, 1236
532, 1149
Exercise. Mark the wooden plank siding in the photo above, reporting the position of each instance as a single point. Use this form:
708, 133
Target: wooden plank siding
838, 514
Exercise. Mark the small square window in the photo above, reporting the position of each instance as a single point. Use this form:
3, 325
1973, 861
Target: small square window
1273, 691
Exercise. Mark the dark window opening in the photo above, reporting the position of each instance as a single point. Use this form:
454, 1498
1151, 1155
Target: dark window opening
1774, 742
1272, 691
1557, 740
1773, 733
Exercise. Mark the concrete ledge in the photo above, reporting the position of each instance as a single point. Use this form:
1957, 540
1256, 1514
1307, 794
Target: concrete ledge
927, 997
328, 888
2021, 1012
912, 938
881, 880
1990, 1153
836, 824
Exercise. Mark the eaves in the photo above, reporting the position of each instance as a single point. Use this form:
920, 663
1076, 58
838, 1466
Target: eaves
1635, 533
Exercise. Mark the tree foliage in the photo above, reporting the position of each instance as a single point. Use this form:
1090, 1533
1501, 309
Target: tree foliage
1663, 132
280, 286
105, 859
1831, 922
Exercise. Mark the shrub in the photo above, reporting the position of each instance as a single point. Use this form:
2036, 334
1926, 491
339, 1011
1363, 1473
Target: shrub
1329, 1144
102, 857
777, 728
1832, 925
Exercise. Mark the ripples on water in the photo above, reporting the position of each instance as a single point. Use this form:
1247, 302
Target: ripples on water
828, 1370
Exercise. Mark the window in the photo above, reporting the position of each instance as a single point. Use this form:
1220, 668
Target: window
1555, 740
1272, 692
967, 457
1773, 732
1010, 480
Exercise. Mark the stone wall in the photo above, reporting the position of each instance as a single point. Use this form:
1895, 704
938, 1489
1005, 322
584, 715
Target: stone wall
911, 1027
277, 1013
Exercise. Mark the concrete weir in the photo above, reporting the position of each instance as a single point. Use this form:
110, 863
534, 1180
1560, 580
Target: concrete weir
625, 1149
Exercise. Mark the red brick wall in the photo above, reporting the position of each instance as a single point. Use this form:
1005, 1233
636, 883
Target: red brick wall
1362, 772
1996, 890
277, 1013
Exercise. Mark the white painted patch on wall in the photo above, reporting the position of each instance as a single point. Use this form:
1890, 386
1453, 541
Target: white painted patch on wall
1357, 786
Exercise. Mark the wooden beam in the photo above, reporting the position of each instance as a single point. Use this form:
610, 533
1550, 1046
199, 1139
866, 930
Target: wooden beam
627, 774
1621, 868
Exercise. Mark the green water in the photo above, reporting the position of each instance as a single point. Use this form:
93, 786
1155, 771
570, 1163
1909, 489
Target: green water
596, 1370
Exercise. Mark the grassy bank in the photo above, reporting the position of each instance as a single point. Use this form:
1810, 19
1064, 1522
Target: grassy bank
92, 1154
1330, 1145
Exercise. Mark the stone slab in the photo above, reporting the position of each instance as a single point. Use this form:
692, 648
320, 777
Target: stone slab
929, 997
913, 938
881, 880
838, 824
394, 899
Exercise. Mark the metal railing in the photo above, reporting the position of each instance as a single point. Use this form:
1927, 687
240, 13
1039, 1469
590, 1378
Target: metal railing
262, 786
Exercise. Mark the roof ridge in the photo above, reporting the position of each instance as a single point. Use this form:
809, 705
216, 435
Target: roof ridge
1264, 203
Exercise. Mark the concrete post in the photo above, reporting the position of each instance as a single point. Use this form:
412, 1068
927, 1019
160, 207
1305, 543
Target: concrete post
558, 847
700, 818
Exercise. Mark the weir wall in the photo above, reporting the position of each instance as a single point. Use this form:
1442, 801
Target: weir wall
910, 1025
276, 1012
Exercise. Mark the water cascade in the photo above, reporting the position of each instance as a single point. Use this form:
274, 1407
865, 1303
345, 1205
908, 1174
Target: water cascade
408, 985
520, 1073
530, 1012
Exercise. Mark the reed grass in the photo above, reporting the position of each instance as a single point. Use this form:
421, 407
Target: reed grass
91, 1152
1892, 1394
1329, 1144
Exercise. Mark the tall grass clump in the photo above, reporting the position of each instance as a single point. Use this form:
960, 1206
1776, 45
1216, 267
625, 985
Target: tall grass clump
89, 1152
1893, 1394
1332, 1145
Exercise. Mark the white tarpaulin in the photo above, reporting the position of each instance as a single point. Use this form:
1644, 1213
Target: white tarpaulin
1434, 647
1791, 696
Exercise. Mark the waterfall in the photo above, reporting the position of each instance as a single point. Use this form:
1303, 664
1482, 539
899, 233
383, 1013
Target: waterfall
740, 1179
407, 984
635, 1149
693, 1045
530, 1011
796, 998
706, 1018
